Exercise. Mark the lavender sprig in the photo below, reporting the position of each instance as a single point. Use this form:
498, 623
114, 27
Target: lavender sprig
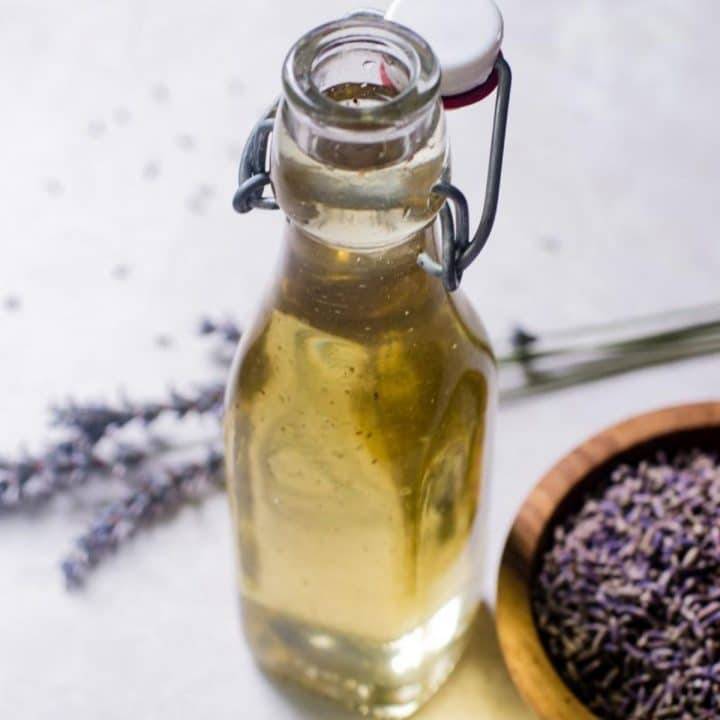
90, 449
157, 494
94, 420
31, 479
74, 459
63, 466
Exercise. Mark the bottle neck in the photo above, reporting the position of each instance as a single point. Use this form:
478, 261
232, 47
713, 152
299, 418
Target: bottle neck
357, 146
358, 195
359, 136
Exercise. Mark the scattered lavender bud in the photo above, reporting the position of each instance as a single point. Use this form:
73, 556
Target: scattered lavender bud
121, 116
160, 93
151, 170
11, 303
185, 141
235, 85
198, 201
227, 334
54, 187
226, 330
163, 341
522, 339
550, 243
121, 271
96, 128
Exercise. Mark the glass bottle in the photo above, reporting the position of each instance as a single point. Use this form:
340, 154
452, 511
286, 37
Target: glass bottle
360, 404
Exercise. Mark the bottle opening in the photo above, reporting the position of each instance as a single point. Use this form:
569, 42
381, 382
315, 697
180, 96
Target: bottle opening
361, 72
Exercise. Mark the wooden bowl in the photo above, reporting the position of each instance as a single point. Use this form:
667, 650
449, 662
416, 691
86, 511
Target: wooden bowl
560, 491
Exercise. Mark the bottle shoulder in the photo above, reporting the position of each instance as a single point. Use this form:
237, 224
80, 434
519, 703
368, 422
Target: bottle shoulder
428, 347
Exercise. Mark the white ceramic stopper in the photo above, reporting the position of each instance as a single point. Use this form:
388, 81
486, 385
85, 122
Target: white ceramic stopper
465, 35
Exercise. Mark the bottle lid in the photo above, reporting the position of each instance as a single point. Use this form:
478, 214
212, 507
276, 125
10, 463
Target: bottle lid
465, 35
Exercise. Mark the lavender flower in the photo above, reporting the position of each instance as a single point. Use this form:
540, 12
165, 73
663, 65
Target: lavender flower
63, 466
157, 494
30, 479
93, 449
94, 420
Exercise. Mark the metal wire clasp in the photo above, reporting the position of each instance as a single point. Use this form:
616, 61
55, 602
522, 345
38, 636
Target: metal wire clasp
458, 249
253, 174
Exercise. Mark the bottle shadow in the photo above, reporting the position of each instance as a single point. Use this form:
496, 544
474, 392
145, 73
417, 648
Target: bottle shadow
479, 688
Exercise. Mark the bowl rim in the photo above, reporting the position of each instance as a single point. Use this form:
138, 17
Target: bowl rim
530, 668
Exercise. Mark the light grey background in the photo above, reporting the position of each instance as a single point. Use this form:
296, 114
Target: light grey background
122, 123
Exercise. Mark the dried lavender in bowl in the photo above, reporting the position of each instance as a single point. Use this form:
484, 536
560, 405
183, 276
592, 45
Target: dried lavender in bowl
627, 598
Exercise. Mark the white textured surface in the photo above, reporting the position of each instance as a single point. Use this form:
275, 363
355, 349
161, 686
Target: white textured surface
609, 206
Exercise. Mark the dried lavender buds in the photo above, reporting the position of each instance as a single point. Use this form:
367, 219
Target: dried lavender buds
627, 599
